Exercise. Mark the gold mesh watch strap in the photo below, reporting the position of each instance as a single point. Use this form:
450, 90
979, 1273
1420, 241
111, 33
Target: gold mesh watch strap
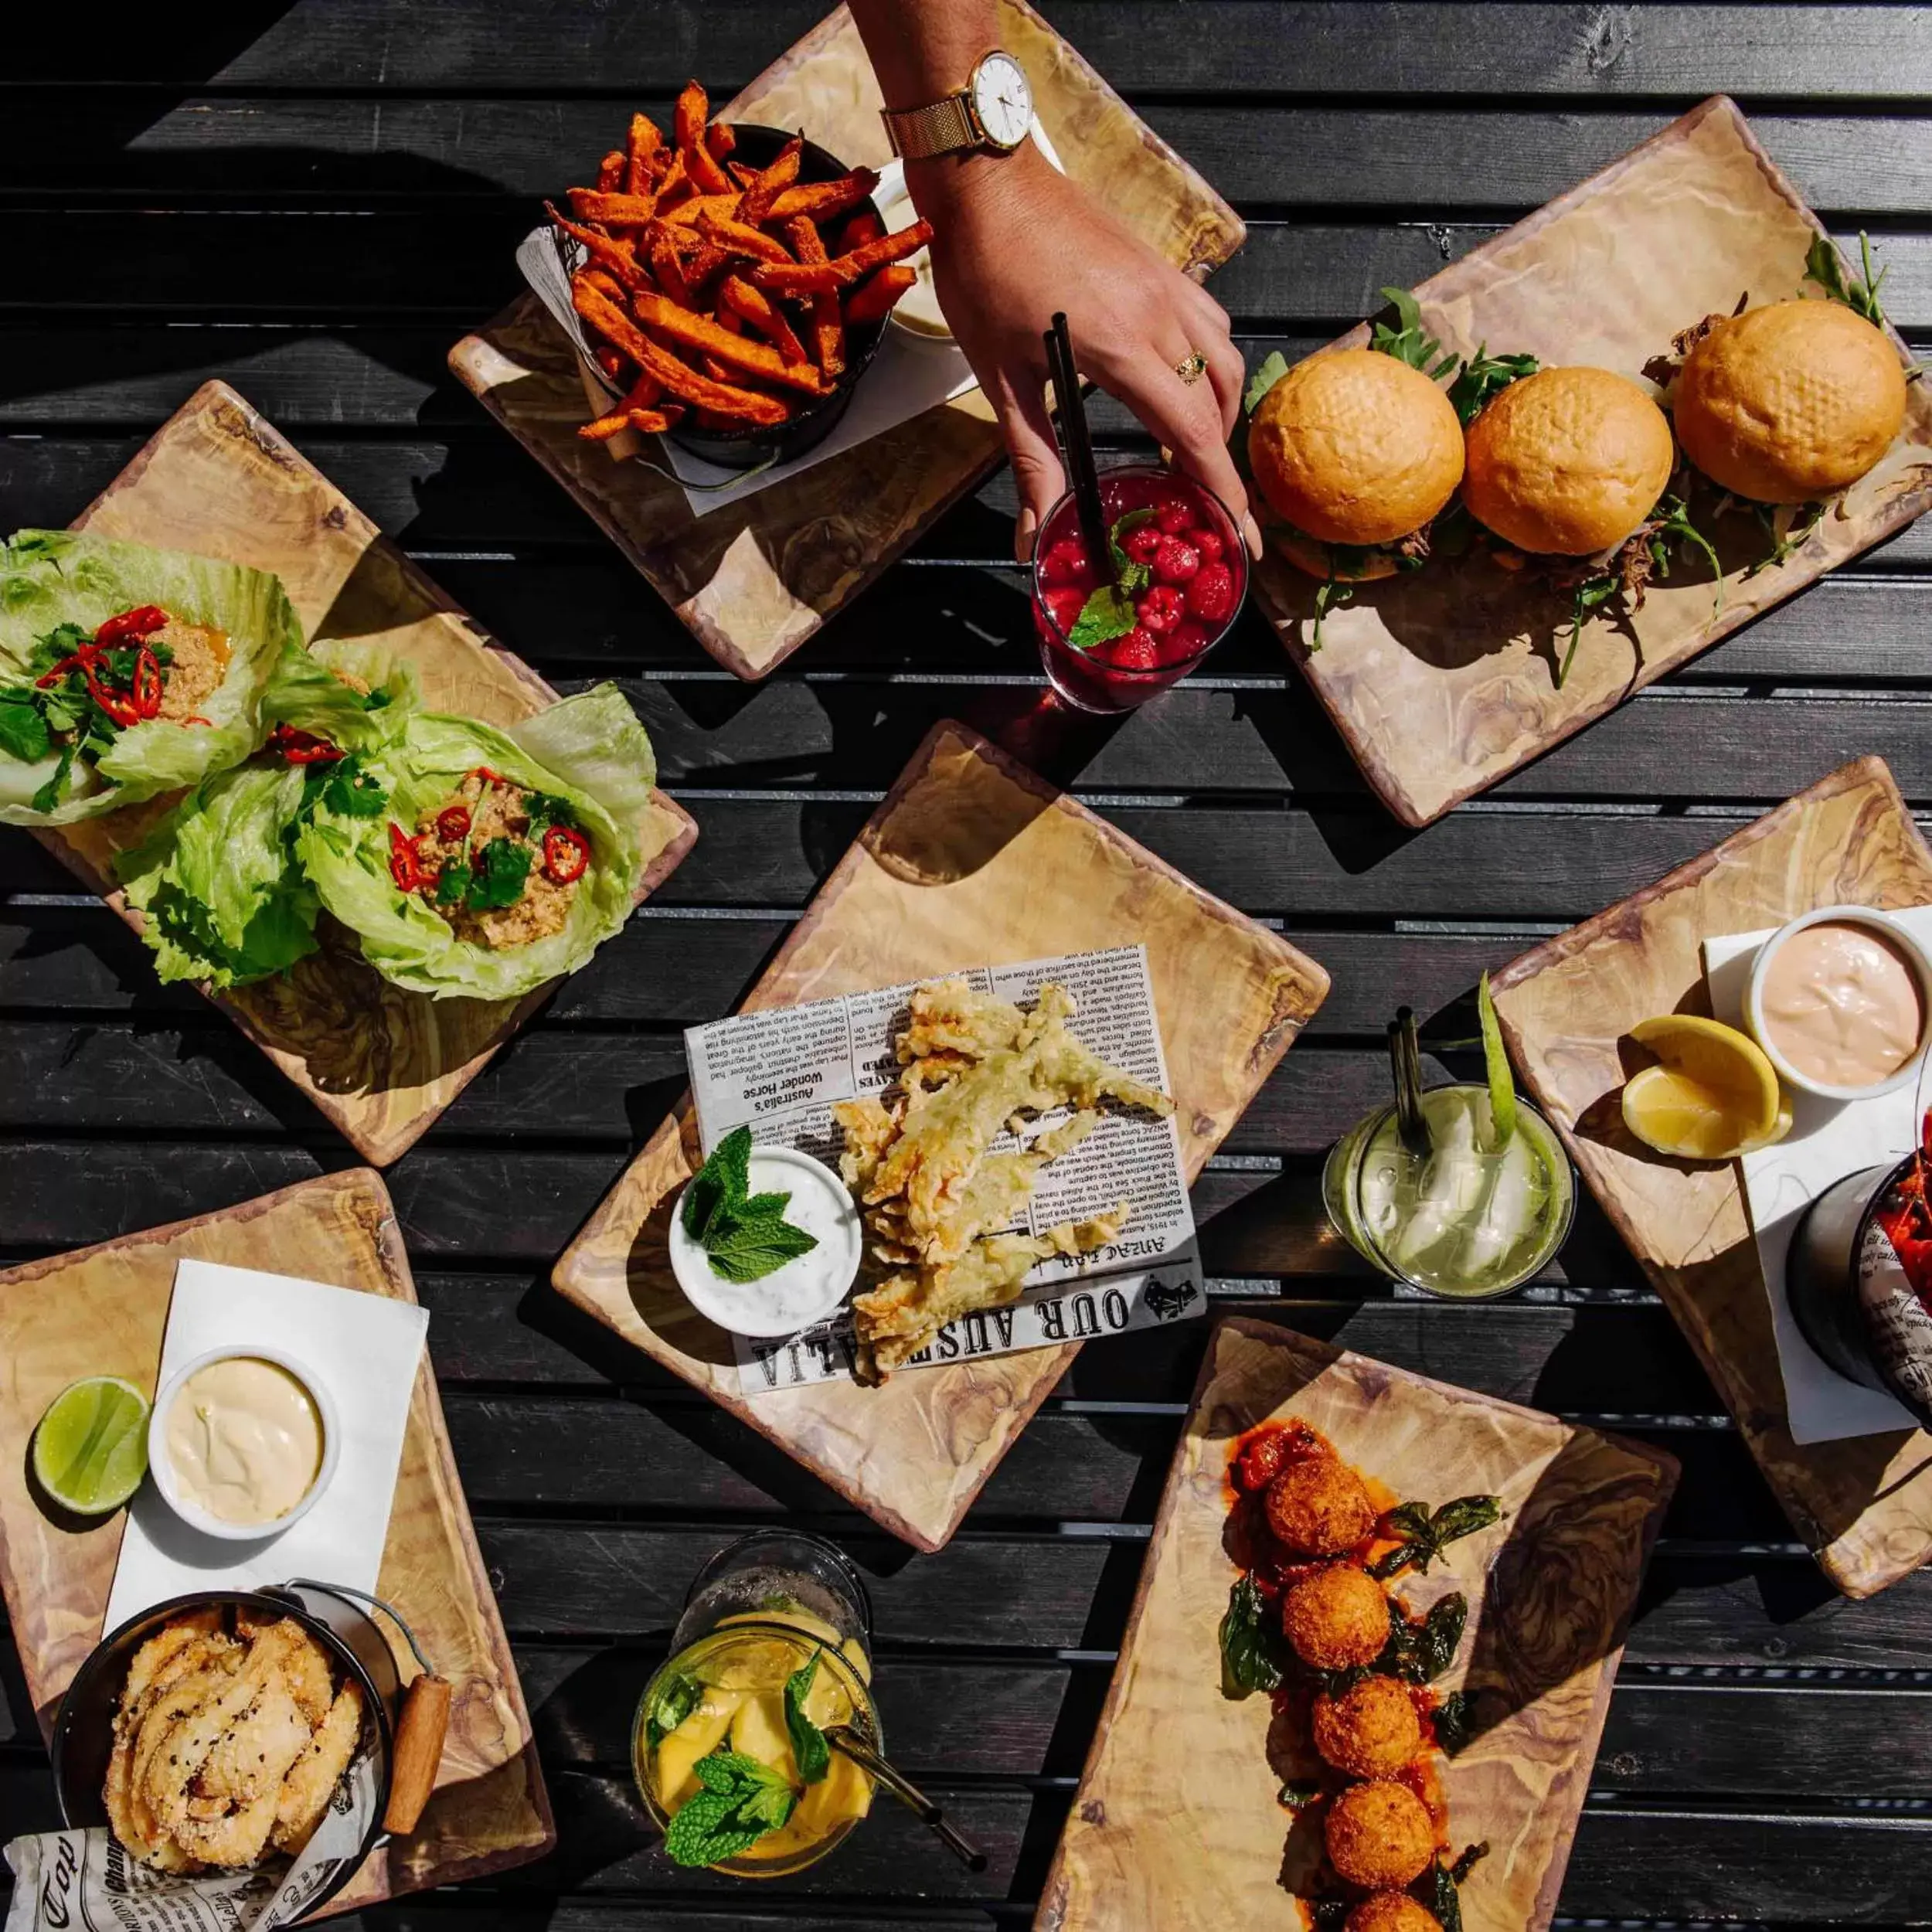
943, 128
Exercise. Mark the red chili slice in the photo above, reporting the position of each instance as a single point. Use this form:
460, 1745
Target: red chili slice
148, 684
566, 853
484, 772
119, 705
81, 660
302, 747
405, 863
136, 623
453, 823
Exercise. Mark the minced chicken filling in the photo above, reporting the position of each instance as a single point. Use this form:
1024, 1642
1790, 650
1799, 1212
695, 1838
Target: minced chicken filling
495, 810
193, 672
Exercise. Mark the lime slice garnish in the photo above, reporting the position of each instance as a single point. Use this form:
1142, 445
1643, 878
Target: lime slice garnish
90, 1450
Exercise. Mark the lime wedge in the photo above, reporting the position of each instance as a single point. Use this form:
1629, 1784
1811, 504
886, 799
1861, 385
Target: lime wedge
1502, 1083
90, 1450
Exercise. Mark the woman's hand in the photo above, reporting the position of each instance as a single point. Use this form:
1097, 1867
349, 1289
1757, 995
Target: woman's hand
1015, 241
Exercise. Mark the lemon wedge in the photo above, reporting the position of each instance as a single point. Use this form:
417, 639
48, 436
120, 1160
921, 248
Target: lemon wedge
1712, 1095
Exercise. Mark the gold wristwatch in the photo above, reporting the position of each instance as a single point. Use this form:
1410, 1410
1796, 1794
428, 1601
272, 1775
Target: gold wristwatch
991, 114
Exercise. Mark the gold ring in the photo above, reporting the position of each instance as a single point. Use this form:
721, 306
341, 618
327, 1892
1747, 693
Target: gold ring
1192, 366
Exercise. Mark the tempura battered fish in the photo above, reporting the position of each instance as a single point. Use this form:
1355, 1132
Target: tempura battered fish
939, 1206
218, 1739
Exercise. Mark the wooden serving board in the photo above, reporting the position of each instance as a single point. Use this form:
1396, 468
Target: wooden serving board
1442, 682
380, 1063
103, 1311
1176, 1824
754, 579
971, 860
1863, 1506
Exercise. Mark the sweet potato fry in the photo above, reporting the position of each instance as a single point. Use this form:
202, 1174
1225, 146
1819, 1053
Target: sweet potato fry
822, 200
678, 378
673, 189
613, 211
872, 300
771, 182
799, 278
701, 264
687, 214
737, 297
689, 122
739, 172
616, 257
665, 265
610, 173
864, 226
639, 397
738, 238
646, 422
828, 326
640, 147
721, 138
699, 332
842, 270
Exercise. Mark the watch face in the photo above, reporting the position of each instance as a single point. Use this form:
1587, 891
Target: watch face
1002, 100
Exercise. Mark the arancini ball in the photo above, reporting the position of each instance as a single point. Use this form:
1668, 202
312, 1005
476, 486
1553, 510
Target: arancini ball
1371, 1730
1391, 1911
1378, 1836
1337, 1619
1318, 1506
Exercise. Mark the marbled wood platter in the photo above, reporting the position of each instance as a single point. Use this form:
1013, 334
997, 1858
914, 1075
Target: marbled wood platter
755, 579
1176, 1824
380, 1063
103, 1311
1443, 680
971, 860
1864, 1505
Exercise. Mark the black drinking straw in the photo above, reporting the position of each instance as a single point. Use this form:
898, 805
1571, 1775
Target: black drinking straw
1078, 446
1405, 1065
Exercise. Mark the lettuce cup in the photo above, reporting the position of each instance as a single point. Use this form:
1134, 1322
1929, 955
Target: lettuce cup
222, 899
501, 859
126, 671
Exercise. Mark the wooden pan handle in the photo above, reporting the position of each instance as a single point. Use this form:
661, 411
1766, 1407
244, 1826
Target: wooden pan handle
418, 1753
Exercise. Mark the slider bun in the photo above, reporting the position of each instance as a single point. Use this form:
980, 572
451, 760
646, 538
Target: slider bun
1355, 447
1306, 554
1568, 461
1791, 402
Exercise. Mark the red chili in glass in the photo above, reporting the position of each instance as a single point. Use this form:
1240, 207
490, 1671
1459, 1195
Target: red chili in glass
453, 823
136, 623
148, 684
406, 863
302, 747
566, 853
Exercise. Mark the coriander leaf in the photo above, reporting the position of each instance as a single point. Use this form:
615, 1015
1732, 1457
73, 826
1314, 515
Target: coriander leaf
48, 795
546, 808
1502, 1083
453, 882
23, 728
808, 1745
1107, 613
721, 1182
1250, 1659
1274, 365
498, 872
749, 1251
350, 791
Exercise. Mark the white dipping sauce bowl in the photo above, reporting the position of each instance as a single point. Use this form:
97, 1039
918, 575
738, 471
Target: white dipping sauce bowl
162, 1469
1895, 935
732, 1304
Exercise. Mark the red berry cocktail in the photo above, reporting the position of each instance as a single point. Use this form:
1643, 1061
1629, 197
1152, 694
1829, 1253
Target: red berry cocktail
1183, 575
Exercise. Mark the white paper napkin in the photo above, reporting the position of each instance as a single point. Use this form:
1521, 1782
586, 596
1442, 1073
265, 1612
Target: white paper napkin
1829, 1140
908, 375
364, 1348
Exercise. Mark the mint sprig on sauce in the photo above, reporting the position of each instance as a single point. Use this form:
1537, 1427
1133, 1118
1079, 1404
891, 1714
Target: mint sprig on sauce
745, 1235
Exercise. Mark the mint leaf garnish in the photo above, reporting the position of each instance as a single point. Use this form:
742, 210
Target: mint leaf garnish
1107, 614
679, 1697
741, 1801
808, 1745
745, 1235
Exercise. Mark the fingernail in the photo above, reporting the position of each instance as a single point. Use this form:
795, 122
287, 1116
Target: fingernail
1023, 536
1252, 531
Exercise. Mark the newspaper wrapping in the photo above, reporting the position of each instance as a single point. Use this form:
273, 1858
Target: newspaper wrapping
84, 1880
780, 1072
